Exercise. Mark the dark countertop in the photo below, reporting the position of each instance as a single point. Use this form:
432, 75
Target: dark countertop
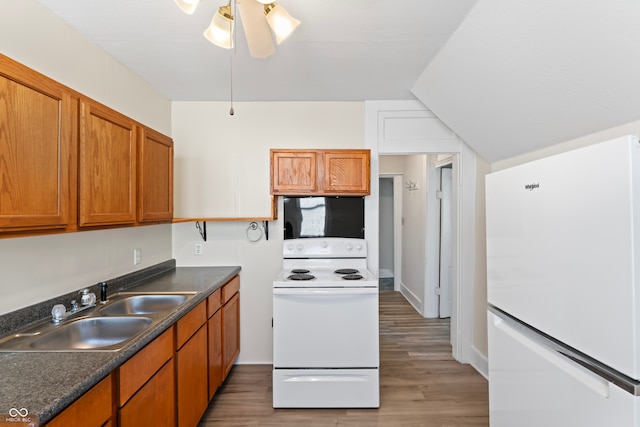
47, 382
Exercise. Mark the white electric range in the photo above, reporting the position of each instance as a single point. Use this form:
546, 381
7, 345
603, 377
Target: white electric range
325, 326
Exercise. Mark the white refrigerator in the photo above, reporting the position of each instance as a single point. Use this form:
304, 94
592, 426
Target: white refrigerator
563, 277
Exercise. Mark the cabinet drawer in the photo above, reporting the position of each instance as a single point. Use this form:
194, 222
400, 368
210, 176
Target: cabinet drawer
137, 370
214, 302
190, 323
230, 289
92, 409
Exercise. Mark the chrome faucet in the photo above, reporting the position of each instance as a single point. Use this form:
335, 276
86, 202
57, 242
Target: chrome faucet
87, 300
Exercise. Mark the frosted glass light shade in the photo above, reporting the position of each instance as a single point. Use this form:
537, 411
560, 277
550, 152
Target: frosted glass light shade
220, 31
187, 6
282, 24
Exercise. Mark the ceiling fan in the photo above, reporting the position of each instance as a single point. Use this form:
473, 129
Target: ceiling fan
259, 19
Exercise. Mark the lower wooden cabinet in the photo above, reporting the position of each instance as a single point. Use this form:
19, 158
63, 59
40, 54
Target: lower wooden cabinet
155, 403
192, 368
214, 329
230, 333
93, 409
146, 391
172, 379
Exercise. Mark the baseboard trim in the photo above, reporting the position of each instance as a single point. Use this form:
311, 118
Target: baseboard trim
480, 362
412, 298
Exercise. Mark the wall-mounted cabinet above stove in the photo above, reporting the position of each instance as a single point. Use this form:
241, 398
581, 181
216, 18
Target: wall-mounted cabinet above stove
320, 172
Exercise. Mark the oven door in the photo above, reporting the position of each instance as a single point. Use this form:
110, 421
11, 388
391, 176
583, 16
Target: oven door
325, 328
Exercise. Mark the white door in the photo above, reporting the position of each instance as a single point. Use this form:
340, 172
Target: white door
532, 384
325, 328
445, 242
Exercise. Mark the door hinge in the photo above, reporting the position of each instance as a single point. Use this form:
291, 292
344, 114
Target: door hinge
438, 194
438, 290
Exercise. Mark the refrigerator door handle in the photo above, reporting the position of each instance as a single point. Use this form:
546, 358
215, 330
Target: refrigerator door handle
578, 372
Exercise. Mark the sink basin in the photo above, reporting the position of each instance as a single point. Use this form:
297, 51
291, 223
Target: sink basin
144, 304
90, 333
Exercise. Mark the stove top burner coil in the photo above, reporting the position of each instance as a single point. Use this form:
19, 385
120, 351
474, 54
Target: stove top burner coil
347, 271
299, 271
352, 277
301, 277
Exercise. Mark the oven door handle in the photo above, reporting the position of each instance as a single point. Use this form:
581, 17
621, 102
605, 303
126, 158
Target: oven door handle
325, 291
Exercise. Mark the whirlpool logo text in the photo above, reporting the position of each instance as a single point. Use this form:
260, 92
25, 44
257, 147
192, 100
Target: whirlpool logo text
532, 187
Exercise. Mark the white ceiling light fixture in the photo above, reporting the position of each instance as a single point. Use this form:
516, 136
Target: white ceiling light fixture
259, 18
282, 24
220, 31
187, 6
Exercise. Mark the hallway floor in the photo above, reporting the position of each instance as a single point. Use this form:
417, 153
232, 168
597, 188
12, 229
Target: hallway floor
420, 383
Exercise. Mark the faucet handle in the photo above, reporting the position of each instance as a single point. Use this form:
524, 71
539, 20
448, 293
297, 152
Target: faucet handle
87, 298
57, 312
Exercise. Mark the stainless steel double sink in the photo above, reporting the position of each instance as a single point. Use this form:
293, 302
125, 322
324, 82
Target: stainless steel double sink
105, 327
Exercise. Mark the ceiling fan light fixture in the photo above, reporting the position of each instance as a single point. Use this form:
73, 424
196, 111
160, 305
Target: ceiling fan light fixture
220, 31
187, 6
282, 24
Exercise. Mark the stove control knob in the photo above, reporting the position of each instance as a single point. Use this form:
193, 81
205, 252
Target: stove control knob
290, 246
358, 247
299, 247
349, 247
325, 244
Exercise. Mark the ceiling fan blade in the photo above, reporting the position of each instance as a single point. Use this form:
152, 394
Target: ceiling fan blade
256, 28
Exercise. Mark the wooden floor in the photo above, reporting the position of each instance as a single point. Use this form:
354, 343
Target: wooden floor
420, 383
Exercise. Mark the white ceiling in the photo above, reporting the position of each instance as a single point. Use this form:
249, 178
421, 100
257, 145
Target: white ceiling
509, 77
522, 75
343, 50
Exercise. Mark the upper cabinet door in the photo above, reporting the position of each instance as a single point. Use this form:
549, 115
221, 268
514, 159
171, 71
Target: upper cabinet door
35, 150
346, 172
107, 175
320, 172
293, 172
155, 177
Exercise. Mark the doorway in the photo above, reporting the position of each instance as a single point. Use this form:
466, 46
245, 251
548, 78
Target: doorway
421, 228
445, 225
397, 128
386, 233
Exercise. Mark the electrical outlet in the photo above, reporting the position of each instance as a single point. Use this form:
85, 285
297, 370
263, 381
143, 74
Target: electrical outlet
198, 249
137, 256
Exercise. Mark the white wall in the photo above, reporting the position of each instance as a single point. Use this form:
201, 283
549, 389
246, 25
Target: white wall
222, 161
222, 169
35, 37
414, 211
35, 269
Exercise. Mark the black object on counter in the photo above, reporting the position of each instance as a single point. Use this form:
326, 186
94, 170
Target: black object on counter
103, 292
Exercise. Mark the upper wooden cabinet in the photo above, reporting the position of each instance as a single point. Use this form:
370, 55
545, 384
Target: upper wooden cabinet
155, 177
293, 171
320, 172
36, 123
107, 173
